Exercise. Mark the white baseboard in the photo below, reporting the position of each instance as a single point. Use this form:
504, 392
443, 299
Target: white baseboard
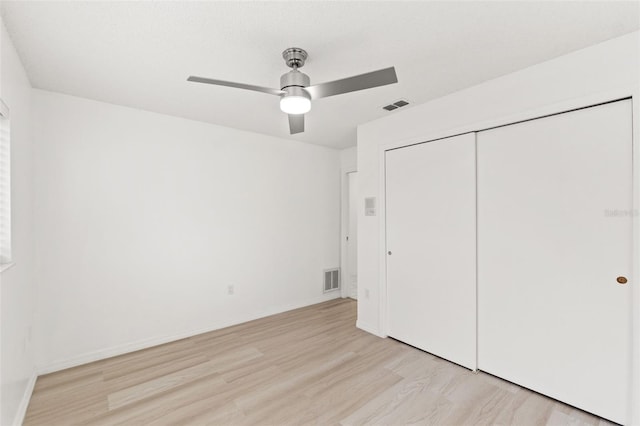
369, 329
24, 403
155, 341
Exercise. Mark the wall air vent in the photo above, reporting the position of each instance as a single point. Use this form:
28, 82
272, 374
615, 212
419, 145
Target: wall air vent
331, 279
395, 105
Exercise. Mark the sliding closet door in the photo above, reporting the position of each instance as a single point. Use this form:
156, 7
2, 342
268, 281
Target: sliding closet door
430, 214
554, 245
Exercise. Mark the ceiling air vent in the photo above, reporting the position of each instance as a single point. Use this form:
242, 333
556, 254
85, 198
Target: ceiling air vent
396, 105
331, 279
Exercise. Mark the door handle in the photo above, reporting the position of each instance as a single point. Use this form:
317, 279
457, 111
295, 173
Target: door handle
621, 280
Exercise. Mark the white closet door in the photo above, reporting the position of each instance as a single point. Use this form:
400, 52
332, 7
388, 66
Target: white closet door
431, 271
554, 234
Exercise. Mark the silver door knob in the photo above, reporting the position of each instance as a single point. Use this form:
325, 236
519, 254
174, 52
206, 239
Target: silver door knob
389, 253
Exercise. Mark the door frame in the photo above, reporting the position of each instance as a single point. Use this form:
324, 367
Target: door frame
346, 271
632, 93
344, 226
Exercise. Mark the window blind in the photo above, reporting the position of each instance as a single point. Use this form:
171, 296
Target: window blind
5, 185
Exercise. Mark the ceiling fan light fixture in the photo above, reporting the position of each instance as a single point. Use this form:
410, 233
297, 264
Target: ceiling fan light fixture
295, 104
295, 101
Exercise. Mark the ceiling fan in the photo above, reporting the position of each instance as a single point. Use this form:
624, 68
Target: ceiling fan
296, 93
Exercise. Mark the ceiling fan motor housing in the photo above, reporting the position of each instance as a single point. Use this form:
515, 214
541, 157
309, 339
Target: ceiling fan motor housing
294, 78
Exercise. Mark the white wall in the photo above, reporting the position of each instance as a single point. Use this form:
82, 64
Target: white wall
143, 220
17, 292
605, 67
349, 159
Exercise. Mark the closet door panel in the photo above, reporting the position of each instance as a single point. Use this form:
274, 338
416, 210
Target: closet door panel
430, 214
554, 234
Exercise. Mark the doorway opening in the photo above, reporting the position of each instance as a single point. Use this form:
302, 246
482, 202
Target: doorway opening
351, 270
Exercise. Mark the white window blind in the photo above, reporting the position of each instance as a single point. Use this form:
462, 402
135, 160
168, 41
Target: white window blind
5, 186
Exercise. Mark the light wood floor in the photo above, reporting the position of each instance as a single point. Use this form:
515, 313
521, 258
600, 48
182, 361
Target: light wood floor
308, 366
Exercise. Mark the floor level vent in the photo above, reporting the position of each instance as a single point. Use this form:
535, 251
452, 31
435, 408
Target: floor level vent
331, 279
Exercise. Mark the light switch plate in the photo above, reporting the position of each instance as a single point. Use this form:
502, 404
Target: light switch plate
370, 206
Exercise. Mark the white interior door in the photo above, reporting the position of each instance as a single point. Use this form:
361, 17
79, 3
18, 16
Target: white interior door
431, 261
554, 233
352, 238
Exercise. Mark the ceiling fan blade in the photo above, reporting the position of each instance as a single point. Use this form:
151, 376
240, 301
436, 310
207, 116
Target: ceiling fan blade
268, 90
296, 123
351, 84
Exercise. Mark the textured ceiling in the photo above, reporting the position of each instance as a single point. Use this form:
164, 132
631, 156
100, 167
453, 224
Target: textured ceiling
139, 54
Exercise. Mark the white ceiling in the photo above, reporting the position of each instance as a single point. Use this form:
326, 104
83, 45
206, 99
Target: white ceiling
139, 54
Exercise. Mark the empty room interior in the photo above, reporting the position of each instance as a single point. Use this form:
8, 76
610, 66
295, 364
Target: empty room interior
319, 212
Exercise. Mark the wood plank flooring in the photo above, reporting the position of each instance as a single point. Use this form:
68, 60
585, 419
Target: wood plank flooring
307, 366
